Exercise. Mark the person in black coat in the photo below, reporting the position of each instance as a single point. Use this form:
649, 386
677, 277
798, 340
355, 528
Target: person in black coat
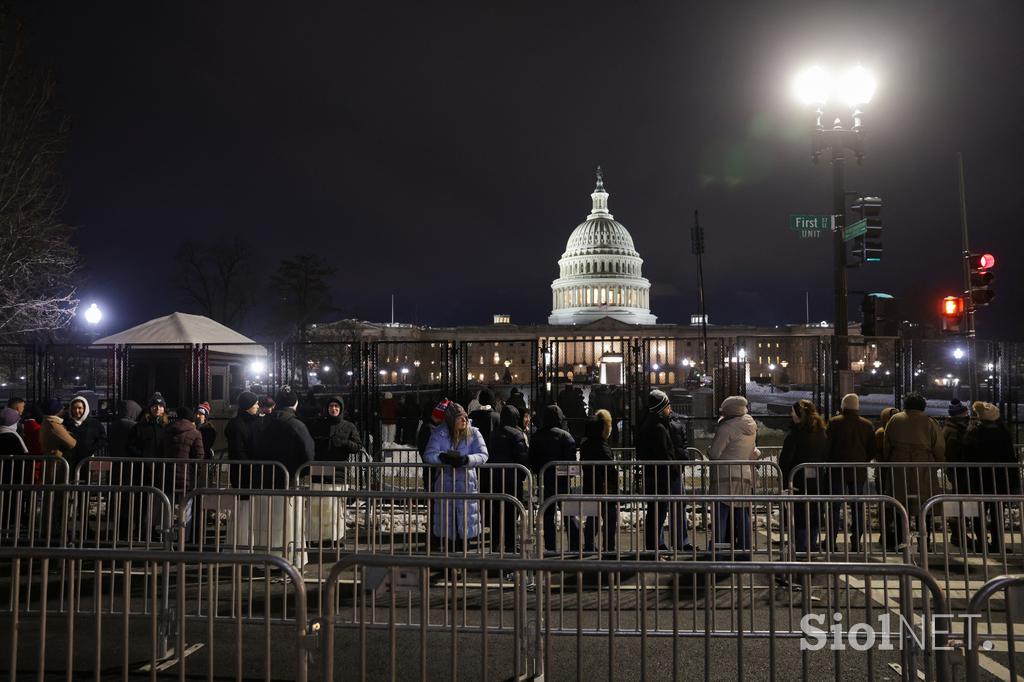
201, 419
341, 435
486, 419
654, 442
120, 430
240, 433
284, 438
600, 479
552, 443
989, 442
85, 429
807, 441
508, 445
11, 443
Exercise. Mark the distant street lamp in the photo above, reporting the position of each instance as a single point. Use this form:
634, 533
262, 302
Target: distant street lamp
837, 94
93, 314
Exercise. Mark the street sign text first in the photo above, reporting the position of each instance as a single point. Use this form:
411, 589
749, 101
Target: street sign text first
811, 222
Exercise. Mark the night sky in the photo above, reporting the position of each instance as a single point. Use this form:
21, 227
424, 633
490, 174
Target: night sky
445, 153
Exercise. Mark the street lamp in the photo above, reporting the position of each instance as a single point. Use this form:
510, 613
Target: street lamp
837, 94
93, 314
958, 354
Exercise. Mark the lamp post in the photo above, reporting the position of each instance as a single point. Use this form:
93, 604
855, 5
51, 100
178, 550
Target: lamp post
958, 355
839, 95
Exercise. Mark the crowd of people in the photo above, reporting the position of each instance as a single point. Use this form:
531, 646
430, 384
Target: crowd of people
491, 431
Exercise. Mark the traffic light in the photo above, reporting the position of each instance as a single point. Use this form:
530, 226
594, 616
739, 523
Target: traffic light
982, 277
952, 314
868, 247
880, 316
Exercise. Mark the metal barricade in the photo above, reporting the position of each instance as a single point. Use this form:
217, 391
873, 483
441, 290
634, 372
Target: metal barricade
177, 476
867, 620
312, 529
629, 454
116, 623
715, 527
968, 540
997, 640
33, 470
650, 476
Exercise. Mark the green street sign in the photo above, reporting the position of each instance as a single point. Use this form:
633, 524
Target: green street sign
854, 230
805, 223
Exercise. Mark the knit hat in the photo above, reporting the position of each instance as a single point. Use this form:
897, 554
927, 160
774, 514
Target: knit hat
266, 401
438, 412
286, 397
9, 416
957, 408
734, 406
656, 401
203, 409
451, 413
157, 399
485, 397
246, 400
183, 413
851, 401
50, 406
987, 412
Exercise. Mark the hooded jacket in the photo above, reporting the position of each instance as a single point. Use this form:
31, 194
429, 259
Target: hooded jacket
508, 442
55, 437
551, 443
600, 479
851, 439
284, 438
803, 446
337, 438
991, 442
120, 431
87, 431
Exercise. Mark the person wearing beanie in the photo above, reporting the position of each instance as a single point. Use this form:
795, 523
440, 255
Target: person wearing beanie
654, 442
911, 436
240, 431
553, 443
486, 418
953, 432
283, 437
266, 405
507, 446
431, 418
459, 446
182, 441
148, 435
201, 418
85, 429
10, 442
851, 440
988, 441
735, 439
55, 438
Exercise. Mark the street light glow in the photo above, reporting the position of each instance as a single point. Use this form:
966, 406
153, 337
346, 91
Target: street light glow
958, 353
857, 86
811, 85
257, 367
93, 314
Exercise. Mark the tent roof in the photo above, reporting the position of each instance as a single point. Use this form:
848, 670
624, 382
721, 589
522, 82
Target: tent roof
182, 328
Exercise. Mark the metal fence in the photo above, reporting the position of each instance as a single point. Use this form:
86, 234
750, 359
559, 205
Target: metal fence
30, 469
1002, 640
585, 619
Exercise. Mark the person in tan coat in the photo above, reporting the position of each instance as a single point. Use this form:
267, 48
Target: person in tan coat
851, 440
914, 438
54, 436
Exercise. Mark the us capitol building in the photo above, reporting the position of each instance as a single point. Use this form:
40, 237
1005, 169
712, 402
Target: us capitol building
600, 309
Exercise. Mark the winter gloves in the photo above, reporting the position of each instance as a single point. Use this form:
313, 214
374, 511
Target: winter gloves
453, 458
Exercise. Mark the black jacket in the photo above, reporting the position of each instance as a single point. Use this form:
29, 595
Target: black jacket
11, 444
284, 438
508, 442
551, 443
487, 422
800, 447
240, 432
677, 428
209, 434
990, 442
599, 480
654, 442
119, 433
337, 440
147, 437
89, 439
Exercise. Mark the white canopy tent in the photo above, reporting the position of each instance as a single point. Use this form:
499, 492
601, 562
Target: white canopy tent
183, 328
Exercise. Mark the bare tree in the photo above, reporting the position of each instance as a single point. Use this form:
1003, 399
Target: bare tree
217, 278
37, 261
302, 293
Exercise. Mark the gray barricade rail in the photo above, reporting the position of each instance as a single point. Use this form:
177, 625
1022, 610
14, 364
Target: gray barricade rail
995, 642
607, 635
967, 541
76, 643
33, 470
648, 476
177, 476
312, 529
718, 527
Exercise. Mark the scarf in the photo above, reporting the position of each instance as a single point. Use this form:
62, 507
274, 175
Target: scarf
14, 429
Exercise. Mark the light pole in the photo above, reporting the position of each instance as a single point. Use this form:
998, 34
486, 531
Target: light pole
958, 355
837, 95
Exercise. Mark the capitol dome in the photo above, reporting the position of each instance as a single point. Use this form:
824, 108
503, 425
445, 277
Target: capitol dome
600, 272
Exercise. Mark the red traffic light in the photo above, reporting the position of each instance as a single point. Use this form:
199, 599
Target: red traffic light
952, 306
986, 261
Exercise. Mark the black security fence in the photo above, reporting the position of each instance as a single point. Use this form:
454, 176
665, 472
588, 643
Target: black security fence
389, 386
